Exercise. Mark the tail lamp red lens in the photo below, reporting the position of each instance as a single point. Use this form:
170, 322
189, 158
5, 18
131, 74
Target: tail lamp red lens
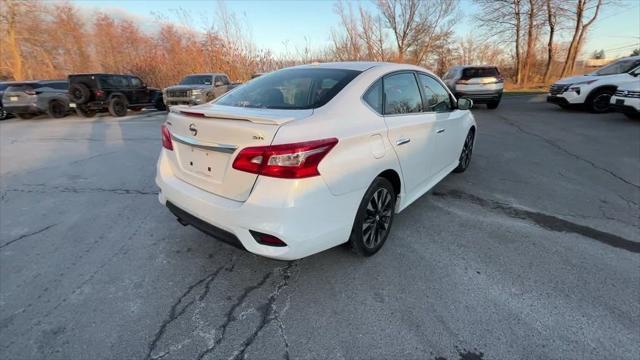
266, 239
289, 161
166, 138
99, 93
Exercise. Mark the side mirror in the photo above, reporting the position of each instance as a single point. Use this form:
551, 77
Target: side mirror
465, 103
218, 83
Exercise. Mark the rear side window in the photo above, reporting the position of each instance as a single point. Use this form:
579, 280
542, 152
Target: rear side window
3, 86
479, 72
59, 85
436, 97
114, 81
373, 96
290, 89
223, 79
401, 94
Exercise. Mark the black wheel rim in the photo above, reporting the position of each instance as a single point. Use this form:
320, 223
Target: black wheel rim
601, 102
57, 109
119, 107
467, 150
3, 114
377, 219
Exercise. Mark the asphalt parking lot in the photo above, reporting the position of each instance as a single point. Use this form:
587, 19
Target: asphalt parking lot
533, 253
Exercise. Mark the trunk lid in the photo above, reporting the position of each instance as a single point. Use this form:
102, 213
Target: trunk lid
207, 138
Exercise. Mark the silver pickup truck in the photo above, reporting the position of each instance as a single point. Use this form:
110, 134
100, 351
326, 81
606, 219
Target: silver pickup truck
197, 89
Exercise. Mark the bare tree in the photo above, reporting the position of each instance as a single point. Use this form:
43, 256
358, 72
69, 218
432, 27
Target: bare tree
584, 9
533, 27
502, 20
552, 18
417, 25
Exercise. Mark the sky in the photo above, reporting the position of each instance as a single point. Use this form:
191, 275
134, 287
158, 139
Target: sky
286, 25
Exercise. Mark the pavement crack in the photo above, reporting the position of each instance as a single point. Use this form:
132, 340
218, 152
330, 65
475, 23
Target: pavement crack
24, 236
39, 188
269, 313
230, 318
574, 155
174, 313
546, 221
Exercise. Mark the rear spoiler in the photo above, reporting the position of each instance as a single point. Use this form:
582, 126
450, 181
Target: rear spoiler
222, 115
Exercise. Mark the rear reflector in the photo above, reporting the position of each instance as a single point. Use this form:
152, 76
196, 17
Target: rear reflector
289, 161
266, 239
166, 138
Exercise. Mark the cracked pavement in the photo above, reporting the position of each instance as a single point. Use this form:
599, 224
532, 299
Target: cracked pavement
533, 253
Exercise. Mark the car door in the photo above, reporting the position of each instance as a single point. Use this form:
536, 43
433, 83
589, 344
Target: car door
410, 130
448, 128
139, 93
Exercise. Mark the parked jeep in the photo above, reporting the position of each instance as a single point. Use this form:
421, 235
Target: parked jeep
27, 99
92, 93
198, 89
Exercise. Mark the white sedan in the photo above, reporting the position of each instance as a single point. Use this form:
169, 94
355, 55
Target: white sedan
303, 159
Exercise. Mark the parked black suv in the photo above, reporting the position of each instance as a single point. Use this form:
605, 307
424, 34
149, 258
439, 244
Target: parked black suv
91, 93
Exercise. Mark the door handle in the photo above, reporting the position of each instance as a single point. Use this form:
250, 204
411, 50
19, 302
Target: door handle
440, 131
402, 141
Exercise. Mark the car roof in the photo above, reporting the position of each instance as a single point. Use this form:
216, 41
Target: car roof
101, 74
28, 82
360, 66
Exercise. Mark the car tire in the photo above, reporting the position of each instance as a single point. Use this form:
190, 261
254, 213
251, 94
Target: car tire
57, 109
4, 114
374, 218
118, 106
493, 105
25, 116
467, 151
85, 113
598, 101
79, 93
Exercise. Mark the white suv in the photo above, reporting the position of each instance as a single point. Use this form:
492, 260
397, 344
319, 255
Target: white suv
593, 90
481, 83
303, 159
627, 98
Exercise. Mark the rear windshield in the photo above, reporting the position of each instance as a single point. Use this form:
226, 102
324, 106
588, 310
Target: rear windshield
470, 73
23, 87
618, 67
196, 80
290, 89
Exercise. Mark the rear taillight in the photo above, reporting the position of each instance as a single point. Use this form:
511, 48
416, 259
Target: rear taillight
499, 79
462, 82
166, 138
99, 93
289, 161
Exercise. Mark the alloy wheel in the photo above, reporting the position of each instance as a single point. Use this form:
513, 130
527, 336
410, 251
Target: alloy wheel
601, 102
377, 218
467, 150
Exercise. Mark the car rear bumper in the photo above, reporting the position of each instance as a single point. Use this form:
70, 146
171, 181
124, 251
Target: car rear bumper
480, 97
22, 109
302, 213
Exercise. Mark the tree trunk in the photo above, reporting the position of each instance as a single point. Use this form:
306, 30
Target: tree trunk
567, 66
530, 43
516, 4
552, 29
14, 45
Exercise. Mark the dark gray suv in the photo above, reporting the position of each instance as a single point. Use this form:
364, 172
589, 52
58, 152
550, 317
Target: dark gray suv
30, 98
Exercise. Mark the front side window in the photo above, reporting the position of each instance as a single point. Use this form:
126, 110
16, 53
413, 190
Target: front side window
436, 97
292, 89
136, 82
401, 94
373, 96
618, 67
113, 81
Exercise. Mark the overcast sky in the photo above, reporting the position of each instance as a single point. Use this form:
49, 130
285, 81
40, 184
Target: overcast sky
282, 25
